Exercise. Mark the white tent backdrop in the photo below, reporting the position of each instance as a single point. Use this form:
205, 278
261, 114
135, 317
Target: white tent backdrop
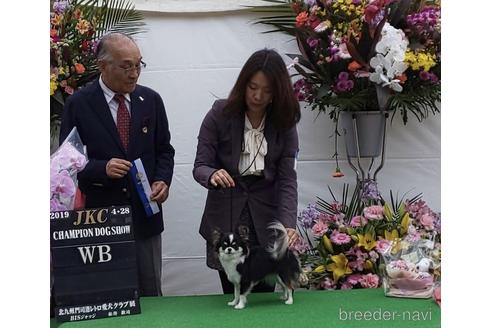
192, 58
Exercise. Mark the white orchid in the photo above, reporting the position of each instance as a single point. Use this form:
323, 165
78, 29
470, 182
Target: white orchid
389, 60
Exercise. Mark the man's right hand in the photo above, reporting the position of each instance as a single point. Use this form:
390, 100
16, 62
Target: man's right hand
117, 168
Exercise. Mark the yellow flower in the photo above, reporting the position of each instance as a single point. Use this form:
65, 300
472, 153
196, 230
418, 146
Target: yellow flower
53, 84
57, 20
83, 26
420, 60
339, 267
320, 269
327, 244
368, 265
393, 235
367, 240
405, 221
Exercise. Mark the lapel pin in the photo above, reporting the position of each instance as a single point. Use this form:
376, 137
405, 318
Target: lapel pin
141, 98
144, 129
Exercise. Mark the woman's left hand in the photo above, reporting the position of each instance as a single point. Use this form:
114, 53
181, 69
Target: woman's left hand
292, 235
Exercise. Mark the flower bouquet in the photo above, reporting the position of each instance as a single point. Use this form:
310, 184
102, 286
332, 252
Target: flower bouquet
363, 55
408, 269
75, 28
342, 242
69, 159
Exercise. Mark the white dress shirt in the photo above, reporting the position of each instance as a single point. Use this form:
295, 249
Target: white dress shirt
254, 144
113, 103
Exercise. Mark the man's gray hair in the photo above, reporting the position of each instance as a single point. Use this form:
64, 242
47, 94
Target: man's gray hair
102, 50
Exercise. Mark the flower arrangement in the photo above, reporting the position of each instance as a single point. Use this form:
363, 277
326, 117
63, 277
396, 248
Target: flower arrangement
69, 159
363, 55
75, 27
342, 243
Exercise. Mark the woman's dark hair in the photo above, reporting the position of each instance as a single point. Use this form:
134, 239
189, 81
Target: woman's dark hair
284, 111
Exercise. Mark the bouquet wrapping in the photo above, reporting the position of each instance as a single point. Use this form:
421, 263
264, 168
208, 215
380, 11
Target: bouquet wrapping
409, 269
69, 159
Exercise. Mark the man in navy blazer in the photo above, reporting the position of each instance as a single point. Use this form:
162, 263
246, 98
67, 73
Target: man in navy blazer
94, 110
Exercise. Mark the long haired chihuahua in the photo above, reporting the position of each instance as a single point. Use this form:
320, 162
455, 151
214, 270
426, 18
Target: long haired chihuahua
246, 266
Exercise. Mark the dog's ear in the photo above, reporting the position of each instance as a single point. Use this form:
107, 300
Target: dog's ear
216, 234
243, 232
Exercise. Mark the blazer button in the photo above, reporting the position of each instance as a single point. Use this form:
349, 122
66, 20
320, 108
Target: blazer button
124, 190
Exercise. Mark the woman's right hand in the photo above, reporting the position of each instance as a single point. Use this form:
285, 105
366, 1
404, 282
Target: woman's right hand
222, 178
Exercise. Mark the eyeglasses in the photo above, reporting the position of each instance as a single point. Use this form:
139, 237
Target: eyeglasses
132, 68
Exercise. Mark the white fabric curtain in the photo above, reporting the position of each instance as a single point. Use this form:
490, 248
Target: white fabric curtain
191, 6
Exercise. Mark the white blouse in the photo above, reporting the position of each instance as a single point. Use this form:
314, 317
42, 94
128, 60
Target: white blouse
254, 142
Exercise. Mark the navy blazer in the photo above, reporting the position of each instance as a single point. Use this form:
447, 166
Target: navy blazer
88, 110
272, 198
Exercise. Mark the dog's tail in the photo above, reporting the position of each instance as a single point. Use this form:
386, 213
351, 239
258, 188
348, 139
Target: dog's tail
280, 242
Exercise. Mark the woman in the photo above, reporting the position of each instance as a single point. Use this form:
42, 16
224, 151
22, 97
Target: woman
246, 156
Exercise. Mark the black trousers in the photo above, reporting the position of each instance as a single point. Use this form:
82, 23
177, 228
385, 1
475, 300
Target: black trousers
228, 287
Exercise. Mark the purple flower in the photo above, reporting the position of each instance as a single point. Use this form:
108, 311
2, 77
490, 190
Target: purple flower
343, 76
60, 6
343, 83
428, 76
308, 216
312, 42
370, 191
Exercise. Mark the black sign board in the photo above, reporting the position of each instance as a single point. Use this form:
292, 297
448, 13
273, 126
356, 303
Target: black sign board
94, 263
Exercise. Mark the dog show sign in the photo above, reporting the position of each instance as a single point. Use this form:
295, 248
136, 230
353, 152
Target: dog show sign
94, 263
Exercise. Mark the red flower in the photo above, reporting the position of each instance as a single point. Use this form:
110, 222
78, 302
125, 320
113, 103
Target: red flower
338, 173
79, 68
301, 19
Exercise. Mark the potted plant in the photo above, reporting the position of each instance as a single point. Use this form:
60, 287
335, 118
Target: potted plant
363, 56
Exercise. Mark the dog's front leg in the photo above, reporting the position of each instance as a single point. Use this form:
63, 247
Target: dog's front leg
245, 290
236, 295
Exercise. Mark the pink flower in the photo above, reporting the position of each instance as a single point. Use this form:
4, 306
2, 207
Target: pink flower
319, 228
399, 264
427, 221
67, 157
354, 279
55, 205
62, 184
340, 238
300, 246
374, 212
369, 280
382, 245
358, 221
326, 218
327, 284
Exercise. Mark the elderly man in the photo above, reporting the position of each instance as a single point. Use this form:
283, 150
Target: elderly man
120, 121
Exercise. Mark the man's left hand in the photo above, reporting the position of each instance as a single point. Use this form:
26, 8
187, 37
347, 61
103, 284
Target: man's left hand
160, 192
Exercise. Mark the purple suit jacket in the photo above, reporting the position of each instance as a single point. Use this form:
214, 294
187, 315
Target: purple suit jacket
272, 198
